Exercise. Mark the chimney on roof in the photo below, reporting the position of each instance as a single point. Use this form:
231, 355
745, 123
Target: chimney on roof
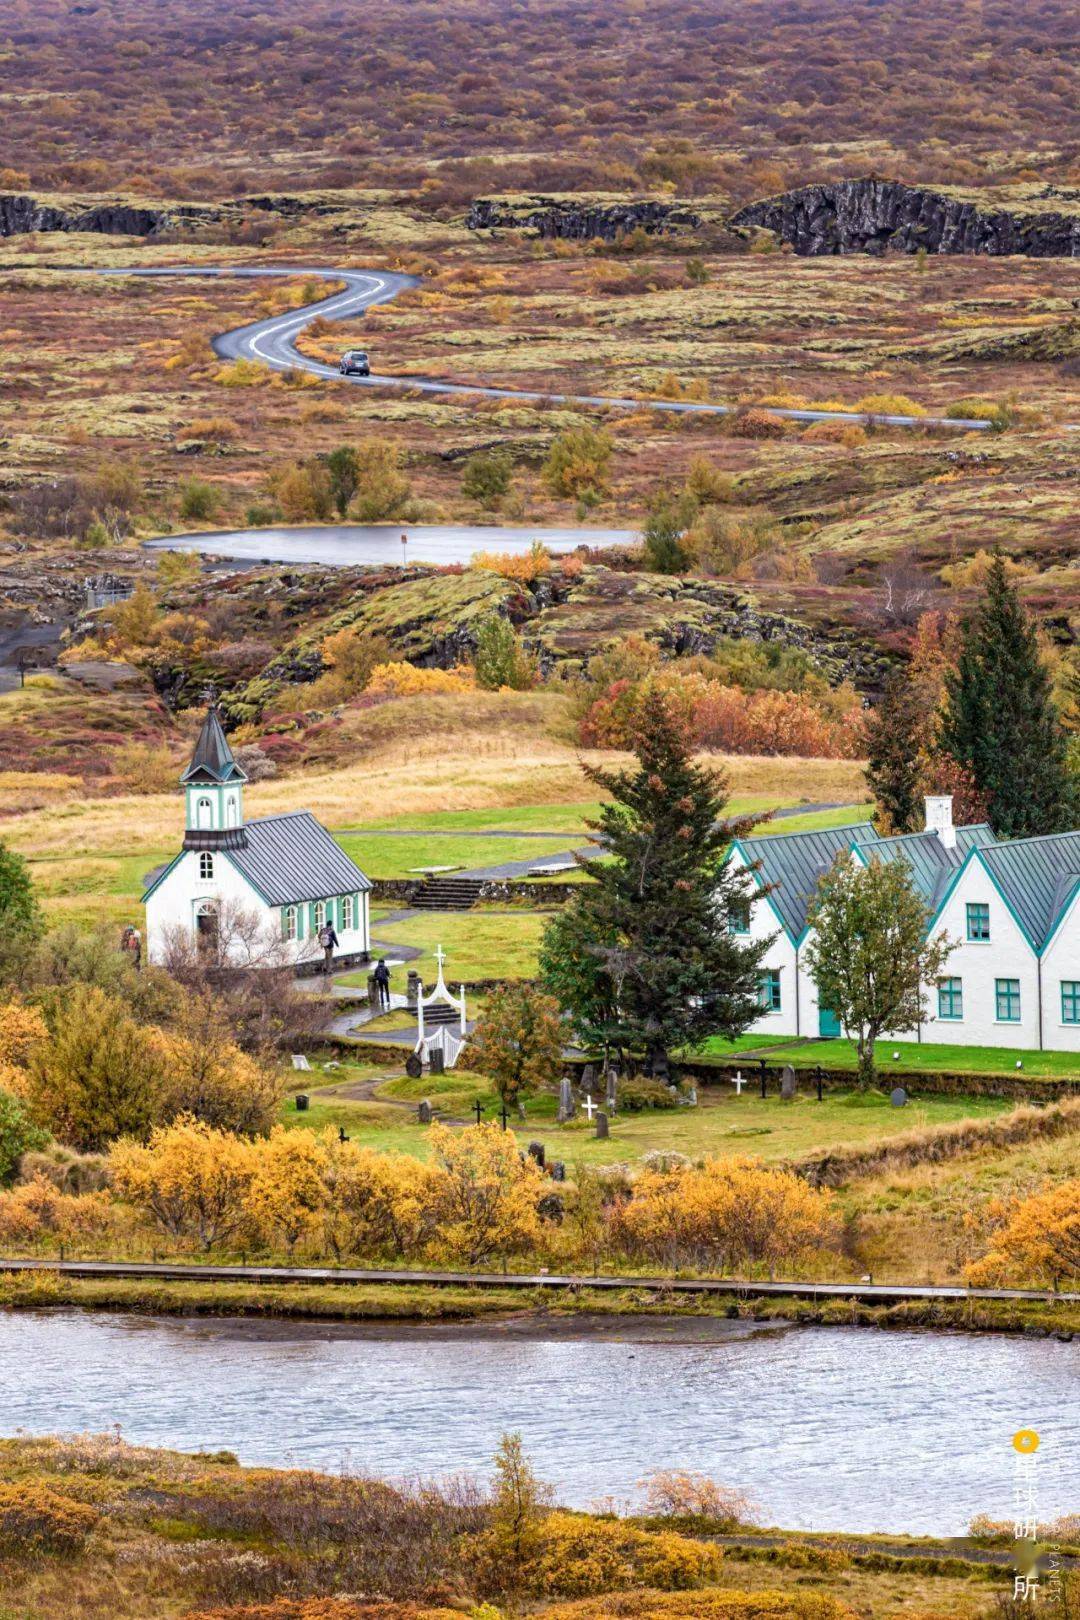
939, 818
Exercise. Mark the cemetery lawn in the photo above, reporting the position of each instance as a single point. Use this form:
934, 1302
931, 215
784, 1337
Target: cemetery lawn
722, 1125
924, 1057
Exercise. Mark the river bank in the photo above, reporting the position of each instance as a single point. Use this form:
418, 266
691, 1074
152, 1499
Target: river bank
420, 1303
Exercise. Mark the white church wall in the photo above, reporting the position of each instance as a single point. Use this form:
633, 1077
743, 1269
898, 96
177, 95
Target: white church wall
174, 903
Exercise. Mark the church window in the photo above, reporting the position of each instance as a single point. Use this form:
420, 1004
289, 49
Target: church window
320, 914
290, 922
206, 865
347, 911
204, 813
230, 811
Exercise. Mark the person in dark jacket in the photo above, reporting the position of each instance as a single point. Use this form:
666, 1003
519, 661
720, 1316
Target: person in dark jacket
329, 942
381, 977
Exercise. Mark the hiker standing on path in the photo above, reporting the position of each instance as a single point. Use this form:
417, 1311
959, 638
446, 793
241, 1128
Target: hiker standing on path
381, 976
329, 941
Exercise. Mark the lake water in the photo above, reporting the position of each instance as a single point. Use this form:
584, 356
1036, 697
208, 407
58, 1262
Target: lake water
349, 545
827, 1428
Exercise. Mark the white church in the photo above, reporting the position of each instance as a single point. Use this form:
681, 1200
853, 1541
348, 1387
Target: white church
1011, 908
285, 871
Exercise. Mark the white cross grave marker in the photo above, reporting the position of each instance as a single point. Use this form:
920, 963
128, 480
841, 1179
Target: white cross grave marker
738, 1082
589, 1107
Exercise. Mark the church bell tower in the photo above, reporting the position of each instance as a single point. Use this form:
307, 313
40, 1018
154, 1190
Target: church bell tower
214, 790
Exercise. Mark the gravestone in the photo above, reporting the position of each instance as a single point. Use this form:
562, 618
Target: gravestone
588, 1078
611, 1092
602, 1131
299, 1061
566, 1100
558, 1170
423, 1112
413, 988
899, 1098
301, 1102
788, 1083
414, 1065
693, 1097
437, 1060
538, 1152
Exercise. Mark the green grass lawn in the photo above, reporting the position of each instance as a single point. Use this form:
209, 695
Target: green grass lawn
922, 1056
554, 818
815, 820
478, 945
389, 857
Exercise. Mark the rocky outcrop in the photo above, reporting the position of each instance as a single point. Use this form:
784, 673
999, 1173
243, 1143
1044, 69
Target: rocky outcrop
579, 221
876, 216
20, 214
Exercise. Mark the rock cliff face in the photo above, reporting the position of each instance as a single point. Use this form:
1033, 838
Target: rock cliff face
20, 214
580, 222
874, 216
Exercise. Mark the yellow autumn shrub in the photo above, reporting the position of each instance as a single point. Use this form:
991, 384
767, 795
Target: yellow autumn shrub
35, 1521
484, 1193
191, 1179
573, 1555
398, 679
1038, 1240
729, 1213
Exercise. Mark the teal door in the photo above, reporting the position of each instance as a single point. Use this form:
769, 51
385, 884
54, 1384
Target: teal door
828, 1025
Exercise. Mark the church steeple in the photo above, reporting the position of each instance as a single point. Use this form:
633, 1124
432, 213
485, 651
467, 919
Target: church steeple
214, 789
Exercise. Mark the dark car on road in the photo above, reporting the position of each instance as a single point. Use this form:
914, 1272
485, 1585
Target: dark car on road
355, 363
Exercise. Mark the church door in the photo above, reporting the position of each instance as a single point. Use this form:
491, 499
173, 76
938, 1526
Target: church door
206, 927
828, 1025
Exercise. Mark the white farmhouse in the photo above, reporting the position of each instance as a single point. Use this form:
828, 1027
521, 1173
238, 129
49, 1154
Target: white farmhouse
284, 871
1012, 909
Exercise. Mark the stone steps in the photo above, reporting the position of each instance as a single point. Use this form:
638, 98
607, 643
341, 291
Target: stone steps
447, 894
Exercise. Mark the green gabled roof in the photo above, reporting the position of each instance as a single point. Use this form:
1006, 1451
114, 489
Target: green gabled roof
932, 865
1037, 877
792, 863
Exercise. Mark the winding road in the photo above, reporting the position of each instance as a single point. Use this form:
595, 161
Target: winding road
272, 342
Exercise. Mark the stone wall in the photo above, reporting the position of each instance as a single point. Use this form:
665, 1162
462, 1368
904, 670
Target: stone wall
876, 216
582, 221
20, 214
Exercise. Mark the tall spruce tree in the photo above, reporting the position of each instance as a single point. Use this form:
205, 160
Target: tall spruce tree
1000, 721
655, 917
895, 739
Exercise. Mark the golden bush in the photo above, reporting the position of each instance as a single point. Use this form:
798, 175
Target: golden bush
409, 680
573, 1555
35, 1521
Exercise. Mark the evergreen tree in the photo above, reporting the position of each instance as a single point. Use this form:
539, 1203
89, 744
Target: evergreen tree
656, 914
1000, 722
894, 735
499, 658
19, 913
343, 466
668, 520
